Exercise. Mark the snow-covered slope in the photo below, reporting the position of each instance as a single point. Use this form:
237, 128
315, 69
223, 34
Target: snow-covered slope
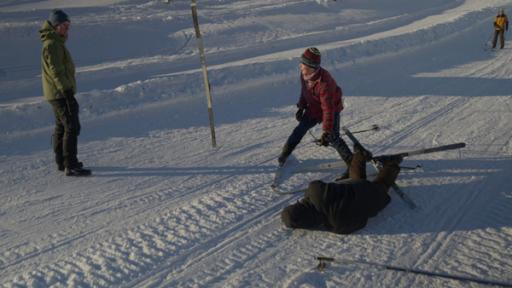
164, 209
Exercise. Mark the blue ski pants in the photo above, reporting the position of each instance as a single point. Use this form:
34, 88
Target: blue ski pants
335, 139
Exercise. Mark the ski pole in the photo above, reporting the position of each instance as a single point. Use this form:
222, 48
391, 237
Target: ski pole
489, 42
426, 150
374, 127
409, 153
409, 168
324, 260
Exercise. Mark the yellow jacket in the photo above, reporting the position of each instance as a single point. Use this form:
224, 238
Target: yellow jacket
501, 22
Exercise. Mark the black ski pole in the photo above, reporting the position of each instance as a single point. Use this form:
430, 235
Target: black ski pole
324, 260
410, 153
409, 168
374, 127
435, 149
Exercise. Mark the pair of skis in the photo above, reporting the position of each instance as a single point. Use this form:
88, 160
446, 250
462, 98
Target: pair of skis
377, 160
277, 176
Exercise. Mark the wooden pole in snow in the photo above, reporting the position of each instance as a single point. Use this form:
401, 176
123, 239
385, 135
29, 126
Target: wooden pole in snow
207, 87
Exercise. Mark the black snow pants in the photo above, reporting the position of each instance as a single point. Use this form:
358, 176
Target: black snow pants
67, 129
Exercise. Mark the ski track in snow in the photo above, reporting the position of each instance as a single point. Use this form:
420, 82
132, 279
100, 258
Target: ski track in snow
163, 209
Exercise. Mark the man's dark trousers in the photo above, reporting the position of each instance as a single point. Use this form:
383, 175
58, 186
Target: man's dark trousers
67, 129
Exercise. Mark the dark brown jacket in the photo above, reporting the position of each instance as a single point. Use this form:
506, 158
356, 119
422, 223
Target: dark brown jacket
347, 206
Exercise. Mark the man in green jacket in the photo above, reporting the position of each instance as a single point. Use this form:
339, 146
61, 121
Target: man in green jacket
59, 88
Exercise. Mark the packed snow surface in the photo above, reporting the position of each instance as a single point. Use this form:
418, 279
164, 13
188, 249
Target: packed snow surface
165, 209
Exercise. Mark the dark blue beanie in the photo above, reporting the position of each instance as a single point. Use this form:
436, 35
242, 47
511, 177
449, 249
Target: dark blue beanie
58, 17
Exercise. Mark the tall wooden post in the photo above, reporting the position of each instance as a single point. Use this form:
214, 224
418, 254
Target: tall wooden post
207, 87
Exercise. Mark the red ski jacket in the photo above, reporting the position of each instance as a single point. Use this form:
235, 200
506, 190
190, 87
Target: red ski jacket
322, 99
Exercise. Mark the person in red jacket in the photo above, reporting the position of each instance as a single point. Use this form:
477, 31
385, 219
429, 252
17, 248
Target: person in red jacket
320, 102
500, 26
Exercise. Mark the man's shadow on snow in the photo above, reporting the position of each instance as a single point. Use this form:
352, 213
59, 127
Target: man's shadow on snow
293, 167
452, 195
117, 171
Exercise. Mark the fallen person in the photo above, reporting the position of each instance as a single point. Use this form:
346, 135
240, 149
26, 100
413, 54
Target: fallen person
346, 206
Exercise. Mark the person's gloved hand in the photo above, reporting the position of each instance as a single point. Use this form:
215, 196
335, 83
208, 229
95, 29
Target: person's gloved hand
299, 115
324, 140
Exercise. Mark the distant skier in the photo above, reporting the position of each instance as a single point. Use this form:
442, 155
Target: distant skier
59, 88
500, 26
344, 207
320, 102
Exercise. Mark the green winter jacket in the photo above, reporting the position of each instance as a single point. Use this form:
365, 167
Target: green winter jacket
57, 67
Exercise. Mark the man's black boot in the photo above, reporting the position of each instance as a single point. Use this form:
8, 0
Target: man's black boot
61, 166
77, 170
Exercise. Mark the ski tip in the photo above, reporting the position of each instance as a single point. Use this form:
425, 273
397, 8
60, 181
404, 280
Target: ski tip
456, 145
